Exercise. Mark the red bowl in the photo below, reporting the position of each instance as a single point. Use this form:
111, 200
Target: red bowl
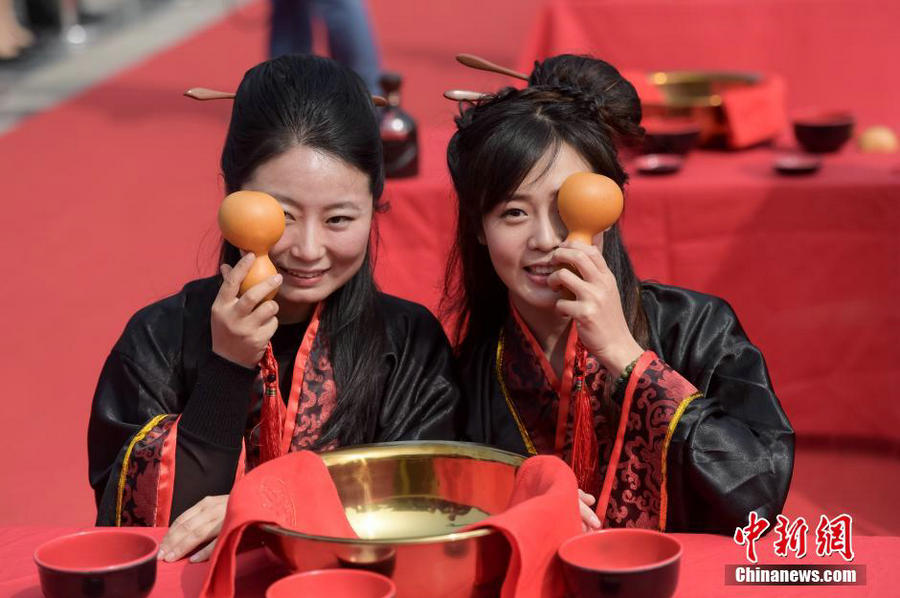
103, 563
333, 583
625, 563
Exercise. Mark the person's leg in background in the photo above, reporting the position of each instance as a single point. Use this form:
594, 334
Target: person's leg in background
290, 29
351, 38
13, 36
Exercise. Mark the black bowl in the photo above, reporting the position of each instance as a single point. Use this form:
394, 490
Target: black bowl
797, 164
656, 164
670, 136
823, 133
621, 563
103, 563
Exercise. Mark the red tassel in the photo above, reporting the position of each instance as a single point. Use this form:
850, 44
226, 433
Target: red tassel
584, 444
273, 410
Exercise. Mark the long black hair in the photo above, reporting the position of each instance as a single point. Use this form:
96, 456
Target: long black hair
311, 101
574, 100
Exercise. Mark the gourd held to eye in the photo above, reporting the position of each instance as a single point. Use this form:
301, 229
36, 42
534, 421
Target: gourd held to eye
253, 221
588, 204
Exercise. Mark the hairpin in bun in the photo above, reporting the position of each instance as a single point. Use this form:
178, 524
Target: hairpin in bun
203, 94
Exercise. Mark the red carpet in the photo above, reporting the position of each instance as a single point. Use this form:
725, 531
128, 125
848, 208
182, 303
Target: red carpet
111, 200
111, 204
115, 195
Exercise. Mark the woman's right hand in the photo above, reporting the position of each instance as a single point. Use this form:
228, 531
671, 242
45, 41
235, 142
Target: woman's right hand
242, 326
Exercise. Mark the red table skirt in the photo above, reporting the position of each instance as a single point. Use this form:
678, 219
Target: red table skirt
702, 568
810, 264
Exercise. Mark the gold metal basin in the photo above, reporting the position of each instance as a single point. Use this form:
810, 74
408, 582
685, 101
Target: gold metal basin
408, 501
697, 95
689, 89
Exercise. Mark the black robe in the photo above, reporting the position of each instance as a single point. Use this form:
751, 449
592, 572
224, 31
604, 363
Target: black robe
164, 398
700, 401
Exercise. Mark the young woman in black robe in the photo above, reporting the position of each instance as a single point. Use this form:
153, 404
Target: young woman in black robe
177, 412
681, 429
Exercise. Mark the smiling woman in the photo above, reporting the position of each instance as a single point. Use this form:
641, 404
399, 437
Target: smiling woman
181, 408
328, 215
653, 394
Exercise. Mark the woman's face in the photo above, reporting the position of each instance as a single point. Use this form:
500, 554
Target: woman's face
522, 233
328, 215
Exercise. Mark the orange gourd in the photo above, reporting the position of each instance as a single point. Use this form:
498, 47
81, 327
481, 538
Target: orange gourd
588, 204
253, 221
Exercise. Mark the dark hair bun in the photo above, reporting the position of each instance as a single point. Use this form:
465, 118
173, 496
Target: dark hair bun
621, 106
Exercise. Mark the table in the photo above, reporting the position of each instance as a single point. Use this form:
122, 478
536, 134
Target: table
702, 569
831, 52
810, 264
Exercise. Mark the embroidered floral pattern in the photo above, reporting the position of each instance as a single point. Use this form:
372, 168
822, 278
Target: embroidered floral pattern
318, 397
529, 390
537, 402
317, 401
139, 492
636, 495
635, 500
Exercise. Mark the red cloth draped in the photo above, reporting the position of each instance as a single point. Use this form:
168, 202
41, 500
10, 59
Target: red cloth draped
296, 491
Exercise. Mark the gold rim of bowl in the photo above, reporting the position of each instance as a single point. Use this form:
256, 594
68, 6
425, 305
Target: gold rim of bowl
383, 450
664, 78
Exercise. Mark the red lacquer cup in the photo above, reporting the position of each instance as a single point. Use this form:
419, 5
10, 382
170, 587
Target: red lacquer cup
102, 563
625, 563
333, 583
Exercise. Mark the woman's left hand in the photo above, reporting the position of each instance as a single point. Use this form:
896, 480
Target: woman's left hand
197, 526
596, 308
589, 519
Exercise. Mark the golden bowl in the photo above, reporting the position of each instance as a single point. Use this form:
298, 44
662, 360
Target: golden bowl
407, 502
696, 95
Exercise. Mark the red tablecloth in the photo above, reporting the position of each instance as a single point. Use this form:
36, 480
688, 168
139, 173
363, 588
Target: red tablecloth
811, 265
702, 568
832, 53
